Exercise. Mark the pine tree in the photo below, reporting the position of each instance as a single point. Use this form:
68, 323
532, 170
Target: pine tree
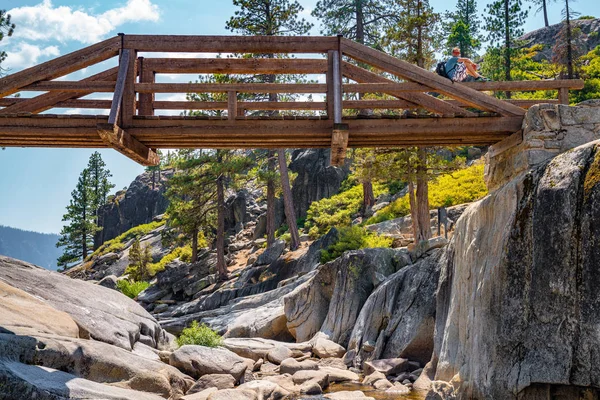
139, 262
568, 47
77, 236
415, 36
462, 28
98, 182
504, 24
7, 28
155, 169
543, 6
273, 18
359, 20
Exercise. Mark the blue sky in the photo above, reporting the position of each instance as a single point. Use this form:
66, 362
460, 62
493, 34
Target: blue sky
36, 183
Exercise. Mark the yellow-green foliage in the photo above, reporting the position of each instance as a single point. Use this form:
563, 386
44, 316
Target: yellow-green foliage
200, 335
131, 288
462, 186
118, 243
354, 238
336, 211
183, 253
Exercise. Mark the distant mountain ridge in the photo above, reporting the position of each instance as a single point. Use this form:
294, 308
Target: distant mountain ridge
34, 247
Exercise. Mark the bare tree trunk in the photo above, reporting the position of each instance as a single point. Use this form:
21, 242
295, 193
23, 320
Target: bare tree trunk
569, 44
195, 245
507, 66
424, 232
221, 266
413, 210
270, 198
290, 214
545, 13
368, 196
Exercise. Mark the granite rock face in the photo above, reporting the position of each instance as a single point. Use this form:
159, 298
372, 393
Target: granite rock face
143, 200
518, 307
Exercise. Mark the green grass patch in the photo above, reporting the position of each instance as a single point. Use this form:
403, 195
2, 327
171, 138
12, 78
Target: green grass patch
200, 335
354, 238
131, 288
336, 211
462, 186
118, 243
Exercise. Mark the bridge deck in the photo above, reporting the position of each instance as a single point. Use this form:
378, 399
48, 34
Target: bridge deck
455, 113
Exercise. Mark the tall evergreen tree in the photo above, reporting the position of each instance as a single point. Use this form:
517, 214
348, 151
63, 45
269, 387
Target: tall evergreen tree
7, 28
415, 36
504, 24
462, 28
361, 20
567, 46
272, 18
99, 183
77, 237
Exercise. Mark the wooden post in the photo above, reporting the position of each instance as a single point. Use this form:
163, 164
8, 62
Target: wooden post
232, 105
146, 103
129, 98
339, 137
563, 96
329, 79
339, 144
117, 100
337, 88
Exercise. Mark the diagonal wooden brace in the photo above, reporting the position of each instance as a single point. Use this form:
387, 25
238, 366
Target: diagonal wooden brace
127, 145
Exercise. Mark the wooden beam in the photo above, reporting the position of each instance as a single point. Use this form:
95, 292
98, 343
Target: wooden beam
435, 82
127, 145
339, 144
230, 44
147, 75
49, 100
226, 87
128, 108
428, 102
75, 103
60, 66
232, 105
553, 84
115, 108
71, 86
235, 66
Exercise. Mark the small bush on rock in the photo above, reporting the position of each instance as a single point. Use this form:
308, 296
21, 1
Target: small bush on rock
354, 238
131, 288
200, 335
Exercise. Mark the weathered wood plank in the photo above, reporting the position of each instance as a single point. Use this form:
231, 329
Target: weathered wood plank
128, 108
117, 100
71, 86
60, 66
513, 140
226, 87
563, 96
49, 100
236, 66
127, 145
232, 105
145, 105
413, 73
230, 44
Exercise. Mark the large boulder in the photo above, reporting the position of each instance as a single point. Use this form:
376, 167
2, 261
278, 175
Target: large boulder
96, 361
271, 253
21, 381
23, 314
359, 272
105, 314
398, 319
200, 360
518, 307
257, 348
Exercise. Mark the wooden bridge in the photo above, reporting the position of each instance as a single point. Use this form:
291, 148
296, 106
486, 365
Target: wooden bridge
459, 113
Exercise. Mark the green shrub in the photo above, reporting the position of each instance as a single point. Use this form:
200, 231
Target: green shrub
131, 288
462, 186
354, 238
118, 243
183, 253
200, 335
336, 211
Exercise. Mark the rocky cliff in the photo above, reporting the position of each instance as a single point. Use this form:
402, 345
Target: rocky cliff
589, 39
139, 204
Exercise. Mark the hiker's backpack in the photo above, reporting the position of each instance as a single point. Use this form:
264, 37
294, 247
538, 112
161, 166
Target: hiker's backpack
440, 69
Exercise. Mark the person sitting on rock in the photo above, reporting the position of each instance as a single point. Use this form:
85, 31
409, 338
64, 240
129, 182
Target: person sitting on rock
461, 69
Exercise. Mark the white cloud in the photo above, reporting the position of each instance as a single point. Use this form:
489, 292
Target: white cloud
45, 22
28, 55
